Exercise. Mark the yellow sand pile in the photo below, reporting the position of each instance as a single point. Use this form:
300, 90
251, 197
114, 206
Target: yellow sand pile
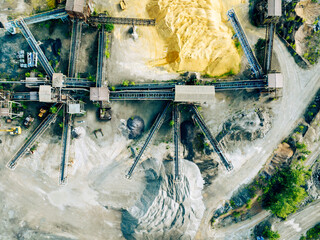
196, 35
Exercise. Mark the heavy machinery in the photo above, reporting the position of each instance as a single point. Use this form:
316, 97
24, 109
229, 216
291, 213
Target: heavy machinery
123, 5
42, 111
12, 131
28, 120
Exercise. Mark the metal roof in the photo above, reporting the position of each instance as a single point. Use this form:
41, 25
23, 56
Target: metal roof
194, 93
45, 93
99, 94
275, 80
274, 8
4, 112
75, 5
74, 108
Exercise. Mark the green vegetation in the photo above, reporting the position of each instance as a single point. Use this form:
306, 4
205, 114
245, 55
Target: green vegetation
312, 233
107, 53
27, 74
61, 124
113, 88
125, 83
109, 27
53, 110
52, 4
236, 214
34, 147
171, 123
91, 78
230, 73
99, 26
269, 234
206, 75
232, 203
284, 191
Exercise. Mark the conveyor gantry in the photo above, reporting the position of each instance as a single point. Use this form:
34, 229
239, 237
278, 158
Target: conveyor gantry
141, 95
65, 144
219, 85
37, 18
78, 83
35, 47
216, 146
101, 54
176, 138
33, 138
103, 19
243, 84
269, 45
155, 127
24, 96
255, 66
74, 47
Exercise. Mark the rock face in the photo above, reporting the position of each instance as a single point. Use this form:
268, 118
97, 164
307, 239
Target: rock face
166, 210
246, 126
135, 126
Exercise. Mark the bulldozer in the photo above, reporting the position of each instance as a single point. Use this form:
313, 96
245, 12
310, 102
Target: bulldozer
12, 131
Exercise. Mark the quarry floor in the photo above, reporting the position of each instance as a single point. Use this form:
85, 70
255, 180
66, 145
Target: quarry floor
32, 202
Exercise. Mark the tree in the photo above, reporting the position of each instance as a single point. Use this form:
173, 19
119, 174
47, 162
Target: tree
171, 123
269, 234
283, 193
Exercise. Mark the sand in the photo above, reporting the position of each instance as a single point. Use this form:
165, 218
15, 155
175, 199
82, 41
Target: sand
197, 36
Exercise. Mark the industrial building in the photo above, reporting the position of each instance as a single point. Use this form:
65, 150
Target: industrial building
194, 93
79, 8
274, 8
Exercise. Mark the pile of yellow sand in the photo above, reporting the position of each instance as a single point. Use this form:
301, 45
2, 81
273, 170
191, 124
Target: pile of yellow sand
196, 35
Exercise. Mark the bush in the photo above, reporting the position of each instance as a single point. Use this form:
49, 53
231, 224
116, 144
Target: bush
125, 83
171, 123
53, 110
27, 74
109, 27
236, 214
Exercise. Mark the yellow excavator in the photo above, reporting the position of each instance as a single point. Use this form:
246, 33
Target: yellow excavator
12, 131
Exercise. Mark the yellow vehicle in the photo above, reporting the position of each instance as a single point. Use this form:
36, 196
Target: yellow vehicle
12, 131
123, 5
42, 111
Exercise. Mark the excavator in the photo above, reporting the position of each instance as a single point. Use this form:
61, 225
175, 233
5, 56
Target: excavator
12, 131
